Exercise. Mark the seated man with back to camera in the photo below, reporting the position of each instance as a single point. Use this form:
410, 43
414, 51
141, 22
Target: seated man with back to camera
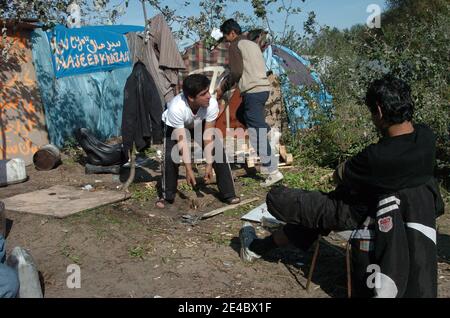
388, 190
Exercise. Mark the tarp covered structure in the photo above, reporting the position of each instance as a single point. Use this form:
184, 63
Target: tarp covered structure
296, 71
91, 100
22, 122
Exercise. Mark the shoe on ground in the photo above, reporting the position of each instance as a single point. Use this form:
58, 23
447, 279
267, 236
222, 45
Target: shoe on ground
246, 236
272, 178
233, 200
264, 170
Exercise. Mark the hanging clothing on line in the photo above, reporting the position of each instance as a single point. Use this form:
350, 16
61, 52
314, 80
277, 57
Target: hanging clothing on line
160, 55
142, 110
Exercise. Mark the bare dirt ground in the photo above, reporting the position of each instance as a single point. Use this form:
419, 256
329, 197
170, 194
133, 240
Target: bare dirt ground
131, 249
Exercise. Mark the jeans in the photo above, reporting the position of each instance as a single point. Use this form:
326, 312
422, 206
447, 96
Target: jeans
9, 281
254, 118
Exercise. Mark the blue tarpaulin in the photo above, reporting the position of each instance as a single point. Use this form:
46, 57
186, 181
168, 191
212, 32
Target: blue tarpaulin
94, 100
297, 107
88, 49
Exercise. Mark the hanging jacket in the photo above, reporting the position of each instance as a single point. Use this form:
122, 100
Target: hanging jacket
142, 110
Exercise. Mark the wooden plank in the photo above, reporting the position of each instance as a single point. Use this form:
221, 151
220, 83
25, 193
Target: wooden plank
283, 153
61, 201
289, 159
250, 162
228, 207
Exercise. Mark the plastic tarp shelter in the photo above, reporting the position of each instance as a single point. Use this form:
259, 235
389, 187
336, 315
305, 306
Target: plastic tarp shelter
93, 100
294, 70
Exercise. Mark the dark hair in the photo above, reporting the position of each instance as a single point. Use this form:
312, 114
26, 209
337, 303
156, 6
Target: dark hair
254, 34
394, 98
230, 25
194, 84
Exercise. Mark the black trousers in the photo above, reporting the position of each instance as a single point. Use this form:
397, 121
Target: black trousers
170, 168
310, 213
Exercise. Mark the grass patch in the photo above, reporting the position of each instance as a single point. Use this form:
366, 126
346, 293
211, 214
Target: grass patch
183, 186
239, 211
137, 252
143, 193
69, 252
310, 178
220, 239
249, 185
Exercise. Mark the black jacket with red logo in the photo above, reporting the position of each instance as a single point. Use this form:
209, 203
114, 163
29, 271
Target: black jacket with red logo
394, 252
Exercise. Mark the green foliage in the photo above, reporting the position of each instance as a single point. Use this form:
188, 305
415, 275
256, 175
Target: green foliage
212, 13
51, 12
73, 151
136, 252
69, 252
143, 193
310, 177
412, 44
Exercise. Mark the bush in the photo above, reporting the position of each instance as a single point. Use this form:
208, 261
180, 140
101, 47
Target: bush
414, 48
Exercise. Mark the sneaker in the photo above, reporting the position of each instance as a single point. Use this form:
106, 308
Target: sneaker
272, 178
246, 235
264, 170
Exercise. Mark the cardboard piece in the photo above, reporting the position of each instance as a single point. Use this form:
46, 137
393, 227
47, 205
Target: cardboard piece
260, 214
61, 201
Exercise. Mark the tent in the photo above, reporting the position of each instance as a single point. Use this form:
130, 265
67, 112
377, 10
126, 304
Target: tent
82, 73
80, 98
296, 71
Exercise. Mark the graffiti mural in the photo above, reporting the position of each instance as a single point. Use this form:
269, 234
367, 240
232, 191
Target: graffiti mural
22, 123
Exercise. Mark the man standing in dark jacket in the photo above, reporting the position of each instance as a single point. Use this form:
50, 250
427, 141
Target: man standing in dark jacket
389, 187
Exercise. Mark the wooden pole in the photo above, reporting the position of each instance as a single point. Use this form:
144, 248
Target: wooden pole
132, 168
349, 273
145, 13
226, 208
313, 263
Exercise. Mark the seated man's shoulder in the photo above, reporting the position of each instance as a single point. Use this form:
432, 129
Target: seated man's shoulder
424, 132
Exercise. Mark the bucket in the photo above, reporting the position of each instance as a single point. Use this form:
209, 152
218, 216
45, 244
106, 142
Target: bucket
47, 158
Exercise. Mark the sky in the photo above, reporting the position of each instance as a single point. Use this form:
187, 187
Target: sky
335, 13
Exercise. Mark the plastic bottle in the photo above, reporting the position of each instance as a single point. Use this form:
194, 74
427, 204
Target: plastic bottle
21, 260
